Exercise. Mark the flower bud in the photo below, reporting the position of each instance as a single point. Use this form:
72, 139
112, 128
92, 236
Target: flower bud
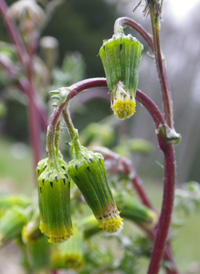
135, 211
11, 224
121, 56
89, 174
54, 201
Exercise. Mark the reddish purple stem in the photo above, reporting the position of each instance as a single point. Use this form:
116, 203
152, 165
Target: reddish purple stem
133, 24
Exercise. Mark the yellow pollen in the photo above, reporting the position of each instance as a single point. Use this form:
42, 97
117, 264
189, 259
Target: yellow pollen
111, 224
54, 235
124, 109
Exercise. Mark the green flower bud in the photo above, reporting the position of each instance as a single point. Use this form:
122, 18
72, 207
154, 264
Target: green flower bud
70, 253
89, 174
54, 201
121, 56
11, 224
135, 211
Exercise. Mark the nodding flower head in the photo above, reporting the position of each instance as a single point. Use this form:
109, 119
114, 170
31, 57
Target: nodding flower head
54, 200
89, 174
121, 56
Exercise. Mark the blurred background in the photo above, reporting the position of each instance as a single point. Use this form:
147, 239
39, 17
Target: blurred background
79, 29
75, 31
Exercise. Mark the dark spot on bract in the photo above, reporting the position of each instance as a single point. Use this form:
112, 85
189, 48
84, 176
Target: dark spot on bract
44, 167
40, 190
77, 178
76, 167
66, 175
88, 168
51, 183
63, 167
43, 181
64, 180
91, 160
121, 47
56, 178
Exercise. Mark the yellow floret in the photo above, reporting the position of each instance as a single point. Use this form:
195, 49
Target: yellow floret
55, 236
124, 109
111, 224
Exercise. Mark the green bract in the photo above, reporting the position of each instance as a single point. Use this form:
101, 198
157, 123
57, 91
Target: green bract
54, 201
89, 174
121, 56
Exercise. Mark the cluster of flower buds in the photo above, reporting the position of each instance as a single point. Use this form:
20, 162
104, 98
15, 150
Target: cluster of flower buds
121, 56
54, 199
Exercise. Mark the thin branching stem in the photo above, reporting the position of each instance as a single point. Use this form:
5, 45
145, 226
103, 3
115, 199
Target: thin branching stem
14, 34
27, 64
161, 69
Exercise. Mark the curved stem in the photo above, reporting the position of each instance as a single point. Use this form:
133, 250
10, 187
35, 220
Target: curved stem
133, 24
151, 108
86, 84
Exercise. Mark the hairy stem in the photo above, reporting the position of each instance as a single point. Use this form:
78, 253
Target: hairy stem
167, 206
161, 69
68, 121
51, 130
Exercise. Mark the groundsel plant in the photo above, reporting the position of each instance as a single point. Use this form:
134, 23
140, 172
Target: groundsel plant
77, 196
